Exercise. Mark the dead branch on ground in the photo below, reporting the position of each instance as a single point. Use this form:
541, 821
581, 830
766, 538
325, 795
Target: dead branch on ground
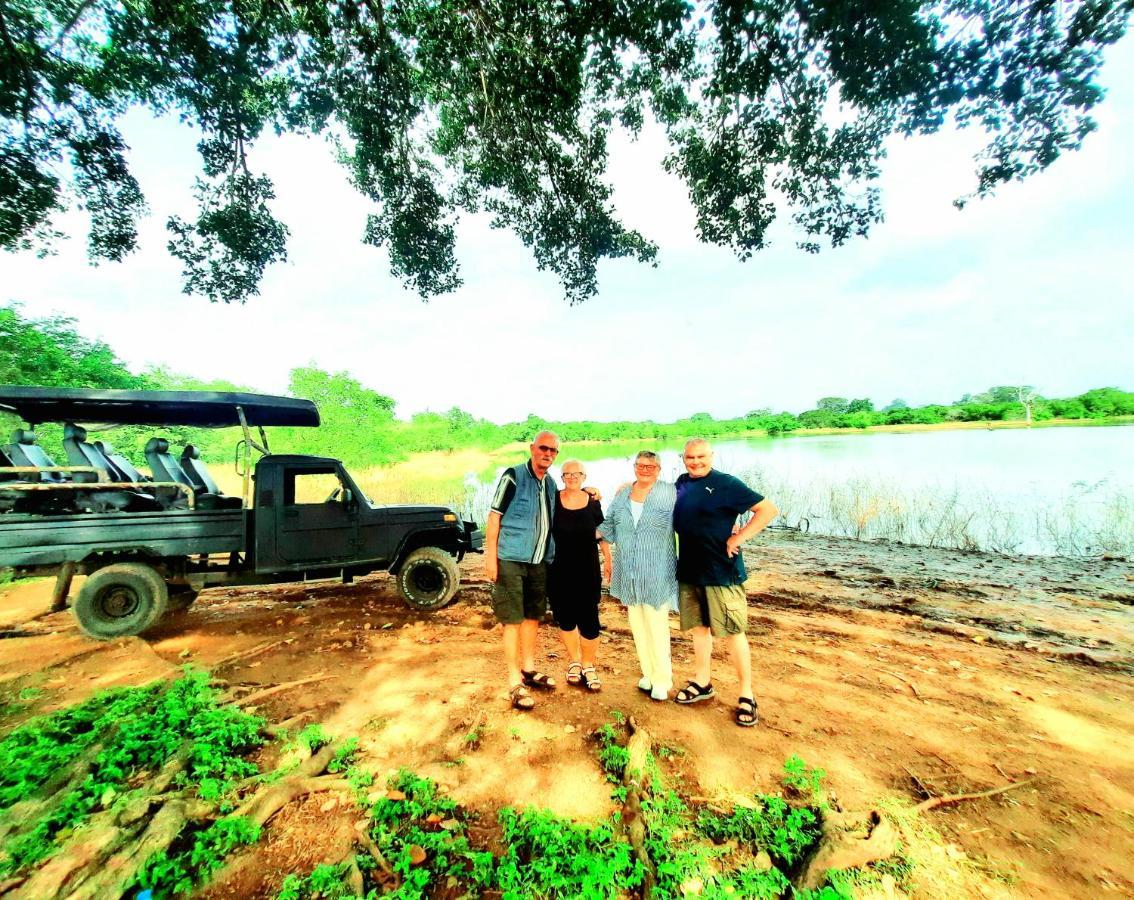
934, 802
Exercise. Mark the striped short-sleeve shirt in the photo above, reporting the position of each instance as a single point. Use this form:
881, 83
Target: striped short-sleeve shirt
645, 558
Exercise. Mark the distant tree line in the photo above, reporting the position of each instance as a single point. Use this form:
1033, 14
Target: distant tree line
361, 428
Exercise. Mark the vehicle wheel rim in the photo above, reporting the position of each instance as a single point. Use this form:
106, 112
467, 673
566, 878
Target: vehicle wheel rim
428, 580
118, 602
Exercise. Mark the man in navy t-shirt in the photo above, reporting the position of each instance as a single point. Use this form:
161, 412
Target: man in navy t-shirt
710, 570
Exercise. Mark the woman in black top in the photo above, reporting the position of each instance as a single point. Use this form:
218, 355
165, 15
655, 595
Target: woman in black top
575, 580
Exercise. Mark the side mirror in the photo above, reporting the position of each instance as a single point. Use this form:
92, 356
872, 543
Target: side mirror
348, 497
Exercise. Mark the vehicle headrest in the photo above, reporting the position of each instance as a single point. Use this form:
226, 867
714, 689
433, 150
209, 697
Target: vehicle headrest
73, 432
24, 436
104, 447
190, 452
157, 445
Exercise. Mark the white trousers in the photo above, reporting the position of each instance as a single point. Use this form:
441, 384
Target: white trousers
650, 628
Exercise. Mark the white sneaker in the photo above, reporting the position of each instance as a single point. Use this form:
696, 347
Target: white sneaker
659, 693
644, 684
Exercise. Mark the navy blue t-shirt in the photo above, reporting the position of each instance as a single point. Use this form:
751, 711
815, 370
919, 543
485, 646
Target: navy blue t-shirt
703, 517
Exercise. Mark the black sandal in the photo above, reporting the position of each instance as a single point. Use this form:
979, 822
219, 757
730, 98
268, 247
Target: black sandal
590, 680
520, 698
747, 713
538, 680
694, 693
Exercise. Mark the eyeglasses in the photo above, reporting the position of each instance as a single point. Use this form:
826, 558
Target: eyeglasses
574, 474
646, 467
545, 449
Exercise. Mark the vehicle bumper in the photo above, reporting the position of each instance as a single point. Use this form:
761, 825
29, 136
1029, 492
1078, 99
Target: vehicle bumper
474, 538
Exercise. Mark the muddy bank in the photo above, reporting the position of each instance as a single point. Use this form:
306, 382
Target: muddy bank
1071, 609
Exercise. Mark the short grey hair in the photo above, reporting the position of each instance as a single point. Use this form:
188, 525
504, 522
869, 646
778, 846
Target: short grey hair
692, 442
647, 454
573, 462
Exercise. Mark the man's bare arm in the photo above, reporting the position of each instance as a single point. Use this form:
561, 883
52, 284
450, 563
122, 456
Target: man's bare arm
491, 542
762, 513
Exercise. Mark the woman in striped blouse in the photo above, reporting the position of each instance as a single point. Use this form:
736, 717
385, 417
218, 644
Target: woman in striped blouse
644, 578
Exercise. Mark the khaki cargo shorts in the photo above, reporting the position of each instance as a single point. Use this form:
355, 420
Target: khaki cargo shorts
721, 607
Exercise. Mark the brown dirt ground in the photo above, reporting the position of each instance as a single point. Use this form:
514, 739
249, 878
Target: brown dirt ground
898, 670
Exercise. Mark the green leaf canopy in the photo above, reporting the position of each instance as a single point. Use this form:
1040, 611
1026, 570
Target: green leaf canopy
440, 107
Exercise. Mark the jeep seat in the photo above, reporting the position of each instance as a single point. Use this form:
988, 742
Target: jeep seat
166, 468
12, 501
123, 469
25, 451
82, 453
197, 471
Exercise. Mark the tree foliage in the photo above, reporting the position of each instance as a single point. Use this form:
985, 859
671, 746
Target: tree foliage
50, 352
444, 107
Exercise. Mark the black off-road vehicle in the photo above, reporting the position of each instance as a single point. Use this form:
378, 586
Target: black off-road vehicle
149, 544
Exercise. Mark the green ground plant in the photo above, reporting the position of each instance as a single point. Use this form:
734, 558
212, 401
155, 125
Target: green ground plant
325, 882
549, 856
414, 818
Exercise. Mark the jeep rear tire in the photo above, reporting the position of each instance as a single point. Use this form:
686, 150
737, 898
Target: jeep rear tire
429, 578
120, 600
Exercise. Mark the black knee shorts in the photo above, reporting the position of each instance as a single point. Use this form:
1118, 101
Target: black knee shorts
572, 613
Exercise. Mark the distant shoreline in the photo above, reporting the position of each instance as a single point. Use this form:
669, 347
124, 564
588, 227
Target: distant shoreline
995, 425
445, 465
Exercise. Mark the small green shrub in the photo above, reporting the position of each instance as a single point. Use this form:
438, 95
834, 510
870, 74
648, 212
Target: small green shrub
802, 778
784, 831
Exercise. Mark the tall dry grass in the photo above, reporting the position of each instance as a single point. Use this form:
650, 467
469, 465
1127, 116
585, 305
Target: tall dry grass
1084, 521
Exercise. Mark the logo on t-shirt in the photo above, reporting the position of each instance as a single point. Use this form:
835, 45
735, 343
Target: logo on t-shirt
709, 489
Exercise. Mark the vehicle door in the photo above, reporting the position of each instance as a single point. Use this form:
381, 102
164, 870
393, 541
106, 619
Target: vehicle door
318, 519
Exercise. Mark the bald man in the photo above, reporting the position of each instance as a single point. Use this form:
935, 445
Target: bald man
517, 550
710, 571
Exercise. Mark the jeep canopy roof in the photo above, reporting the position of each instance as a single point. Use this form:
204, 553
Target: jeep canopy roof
204, 409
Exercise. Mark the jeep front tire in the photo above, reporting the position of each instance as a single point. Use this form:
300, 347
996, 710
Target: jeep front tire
429, 578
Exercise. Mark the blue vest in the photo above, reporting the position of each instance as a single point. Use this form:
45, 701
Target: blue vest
519, 527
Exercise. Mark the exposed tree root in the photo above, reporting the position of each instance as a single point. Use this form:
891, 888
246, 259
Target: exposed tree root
122, 866
636, 778
906, 682
303, 780
934, 802
257, 696
368, 844
849, 841
244, 655
279, 728
108, 852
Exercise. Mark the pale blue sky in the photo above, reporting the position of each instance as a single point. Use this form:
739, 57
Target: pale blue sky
1028, 287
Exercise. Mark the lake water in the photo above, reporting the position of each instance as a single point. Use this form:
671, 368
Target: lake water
1041, 490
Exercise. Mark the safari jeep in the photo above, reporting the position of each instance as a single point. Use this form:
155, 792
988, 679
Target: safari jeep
149, 543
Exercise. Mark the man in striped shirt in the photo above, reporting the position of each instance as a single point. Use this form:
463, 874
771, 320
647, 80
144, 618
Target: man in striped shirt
518, 547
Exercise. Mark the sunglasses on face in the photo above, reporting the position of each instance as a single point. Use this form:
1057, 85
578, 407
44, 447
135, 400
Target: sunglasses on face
545, 449
645, 467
